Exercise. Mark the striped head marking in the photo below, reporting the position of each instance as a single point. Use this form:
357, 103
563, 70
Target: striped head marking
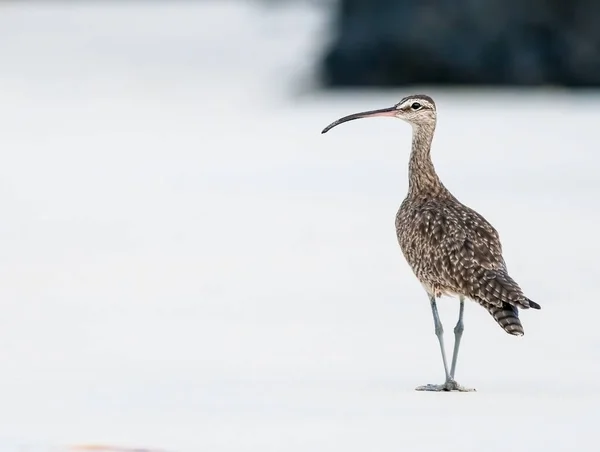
418, 109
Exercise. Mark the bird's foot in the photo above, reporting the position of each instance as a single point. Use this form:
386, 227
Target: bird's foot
449, 386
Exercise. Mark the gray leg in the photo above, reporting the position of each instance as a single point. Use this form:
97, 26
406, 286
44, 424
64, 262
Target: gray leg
450, 384
458, 331
439, 332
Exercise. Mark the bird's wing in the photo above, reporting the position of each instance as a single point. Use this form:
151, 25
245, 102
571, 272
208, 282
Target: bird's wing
463, 249
477, 242
466, 255
481, 270
462, 236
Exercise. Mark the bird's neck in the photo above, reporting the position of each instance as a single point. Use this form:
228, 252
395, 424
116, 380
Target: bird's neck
422, 175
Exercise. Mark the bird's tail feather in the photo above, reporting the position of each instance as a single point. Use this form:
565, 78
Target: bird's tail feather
507, 316
533, 304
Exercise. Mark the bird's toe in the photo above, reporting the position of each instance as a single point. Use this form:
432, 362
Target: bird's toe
449, 386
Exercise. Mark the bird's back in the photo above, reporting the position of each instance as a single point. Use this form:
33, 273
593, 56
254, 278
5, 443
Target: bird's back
453, 250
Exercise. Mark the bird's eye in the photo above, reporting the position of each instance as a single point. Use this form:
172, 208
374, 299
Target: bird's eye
415, 106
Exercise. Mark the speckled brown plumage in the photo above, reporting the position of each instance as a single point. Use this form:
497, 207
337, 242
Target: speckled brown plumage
451, 248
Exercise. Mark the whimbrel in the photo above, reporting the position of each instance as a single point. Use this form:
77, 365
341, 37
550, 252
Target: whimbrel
451, 248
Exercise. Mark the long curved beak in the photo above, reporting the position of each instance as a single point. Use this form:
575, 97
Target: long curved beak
391, 111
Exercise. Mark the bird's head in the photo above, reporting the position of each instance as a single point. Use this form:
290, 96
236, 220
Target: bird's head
418, 110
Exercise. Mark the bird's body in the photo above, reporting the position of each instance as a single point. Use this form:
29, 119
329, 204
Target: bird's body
451, 248
454, 251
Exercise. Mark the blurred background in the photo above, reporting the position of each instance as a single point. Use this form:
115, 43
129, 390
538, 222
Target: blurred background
500, 43
187, 264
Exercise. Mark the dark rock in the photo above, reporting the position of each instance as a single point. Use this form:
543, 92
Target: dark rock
492, 42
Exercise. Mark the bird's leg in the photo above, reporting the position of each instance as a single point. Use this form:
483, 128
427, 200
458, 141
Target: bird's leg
439, 332
458, 331
450, 384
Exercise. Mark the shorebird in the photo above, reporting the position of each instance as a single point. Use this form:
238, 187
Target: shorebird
451, 249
